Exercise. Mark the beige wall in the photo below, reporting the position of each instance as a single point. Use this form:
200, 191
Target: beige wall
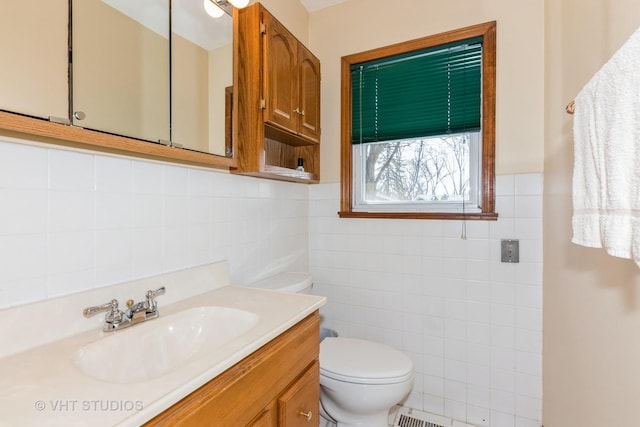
292, 14
359, 25
591, 300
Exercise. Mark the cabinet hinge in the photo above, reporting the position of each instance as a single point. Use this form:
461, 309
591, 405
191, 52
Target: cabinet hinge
170, 143
263, 28
263, 104
60, 120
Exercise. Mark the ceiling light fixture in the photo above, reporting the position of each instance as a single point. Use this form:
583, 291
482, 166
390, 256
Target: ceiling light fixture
216, 8
212, 8
239, 3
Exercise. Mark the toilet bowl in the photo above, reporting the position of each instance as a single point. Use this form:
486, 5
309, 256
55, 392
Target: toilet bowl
360, 380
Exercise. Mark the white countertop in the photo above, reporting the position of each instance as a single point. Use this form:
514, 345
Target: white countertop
41, 386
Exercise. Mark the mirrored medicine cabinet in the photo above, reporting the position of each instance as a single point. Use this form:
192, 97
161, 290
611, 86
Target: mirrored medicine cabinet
152, 75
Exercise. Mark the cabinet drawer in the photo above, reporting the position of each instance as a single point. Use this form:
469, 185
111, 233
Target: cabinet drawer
299, 405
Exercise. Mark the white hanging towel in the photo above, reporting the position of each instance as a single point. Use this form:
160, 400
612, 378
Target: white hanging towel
606, 173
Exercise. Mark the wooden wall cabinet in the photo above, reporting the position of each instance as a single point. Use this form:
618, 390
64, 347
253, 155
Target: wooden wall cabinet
292, 82
276, 386
278, 99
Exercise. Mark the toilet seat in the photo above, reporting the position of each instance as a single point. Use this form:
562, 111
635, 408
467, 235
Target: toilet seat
363, 362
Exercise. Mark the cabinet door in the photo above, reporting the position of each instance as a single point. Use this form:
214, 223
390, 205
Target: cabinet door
309, 90
280, 75
298, 406
265, 419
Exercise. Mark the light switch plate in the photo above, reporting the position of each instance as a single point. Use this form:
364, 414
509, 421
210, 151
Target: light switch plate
510, 250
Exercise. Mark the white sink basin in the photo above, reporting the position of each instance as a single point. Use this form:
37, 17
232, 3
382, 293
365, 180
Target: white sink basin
154, 348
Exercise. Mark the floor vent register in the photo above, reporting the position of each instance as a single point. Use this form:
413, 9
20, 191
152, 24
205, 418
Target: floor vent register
408, 417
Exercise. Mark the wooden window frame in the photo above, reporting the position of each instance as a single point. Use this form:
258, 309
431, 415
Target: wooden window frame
487, 195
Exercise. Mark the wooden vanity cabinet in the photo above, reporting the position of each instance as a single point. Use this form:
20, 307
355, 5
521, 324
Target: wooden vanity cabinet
278, 97
276, 386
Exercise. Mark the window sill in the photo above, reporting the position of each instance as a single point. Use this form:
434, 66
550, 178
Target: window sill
470, 216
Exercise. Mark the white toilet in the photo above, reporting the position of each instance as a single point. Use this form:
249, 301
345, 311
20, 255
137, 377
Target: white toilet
360, 380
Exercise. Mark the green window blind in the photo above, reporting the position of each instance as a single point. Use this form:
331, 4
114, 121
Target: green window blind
429, 92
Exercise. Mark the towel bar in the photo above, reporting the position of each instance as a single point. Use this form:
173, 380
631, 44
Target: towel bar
570, 108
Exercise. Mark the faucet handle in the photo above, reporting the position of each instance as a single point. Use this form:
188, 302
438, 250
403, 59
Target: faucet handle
157, 292
152, 305
114, 314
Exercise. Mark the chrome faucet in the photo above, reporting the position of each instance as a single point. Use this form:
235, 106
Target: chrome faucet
136, 313
145, 310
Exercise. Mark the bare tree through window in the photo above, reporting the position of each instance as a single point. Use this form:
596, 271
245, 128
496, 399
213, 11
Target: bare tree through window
425, 169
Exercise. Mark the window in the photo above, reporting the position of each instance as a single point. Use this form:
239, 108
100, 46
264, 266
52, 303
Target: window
418, 128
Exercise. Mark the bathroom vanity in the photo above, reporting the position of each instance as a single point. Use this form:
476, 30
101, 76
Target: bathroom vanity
276, 385
218, 355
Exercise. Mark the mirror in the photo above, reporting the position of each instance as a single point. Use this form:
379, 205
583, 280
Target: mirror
120, 73
201, 77
33, 44
130, 78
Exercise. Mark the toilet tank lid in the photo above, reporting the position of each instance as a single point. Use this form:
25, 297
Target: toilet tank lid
290, 281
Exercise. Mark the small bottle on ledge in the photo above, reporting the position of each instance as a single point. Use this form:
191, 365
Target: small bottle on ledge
300, 167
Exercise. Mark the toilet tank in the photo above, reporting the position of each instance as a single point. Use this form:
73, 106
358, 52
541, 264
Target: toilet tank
291, 281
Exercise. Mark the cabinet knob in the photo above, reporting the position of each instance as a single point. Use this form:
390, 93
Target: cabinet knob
297, 110
79, 115
308, 415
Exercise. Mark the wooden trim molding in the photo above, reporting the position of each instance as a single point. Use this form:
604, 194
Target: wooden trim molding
474, 216
77, 137
488, 32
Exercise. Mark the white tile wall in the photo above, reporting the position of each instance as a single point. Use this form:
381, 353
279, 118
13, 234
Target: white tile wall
472, 325
72, 221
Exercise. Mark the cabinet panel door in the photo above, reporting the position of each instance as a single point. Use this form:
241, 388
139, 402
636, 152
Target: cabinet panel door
265, 419
309, 74
298, 406
280, 77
